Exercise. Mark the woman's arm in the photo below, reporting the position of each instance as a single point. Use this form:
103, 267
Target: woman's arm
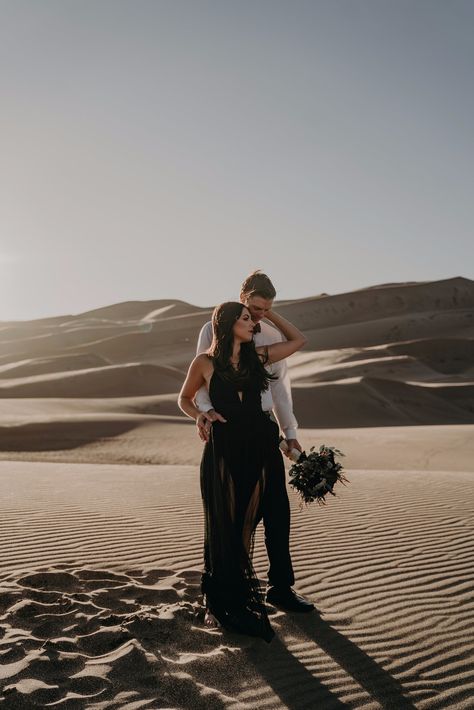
295, 339
194, 380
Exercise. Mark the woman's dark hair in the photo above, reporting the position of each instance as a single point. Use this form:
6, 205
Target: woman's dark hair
251, 364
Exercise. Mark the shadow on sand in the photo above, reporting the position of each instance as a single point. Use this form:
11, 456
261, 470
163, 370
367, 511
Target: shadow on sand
298, 688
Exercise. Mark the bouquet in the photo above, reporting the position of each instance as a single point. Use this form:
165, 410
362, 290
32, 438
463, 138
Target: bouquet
315, 474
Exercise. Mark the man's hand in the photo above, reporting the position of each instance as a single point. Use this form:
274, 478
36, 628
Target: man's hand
204, 422
292, 444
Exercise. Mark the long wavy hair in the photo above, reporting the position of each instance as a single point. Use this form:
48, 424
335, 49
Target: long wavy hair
251, 366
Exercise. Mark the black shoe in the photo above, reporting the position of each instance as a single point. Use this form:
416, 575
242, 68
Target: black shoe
285, 598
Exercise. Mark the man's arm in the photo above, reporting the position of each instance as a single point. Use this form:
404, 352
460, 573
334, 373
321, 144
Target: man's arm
280, 389
204, 339
202, 399
282, 400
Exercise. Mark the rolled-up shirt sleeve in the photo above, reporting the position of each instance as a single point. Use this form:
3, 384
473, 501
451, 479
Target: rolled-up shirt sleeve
202, 399
282, 400
280, 389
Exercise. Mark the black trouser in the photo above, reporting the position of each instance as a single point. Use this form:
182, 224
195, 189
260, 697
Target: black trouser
276, 519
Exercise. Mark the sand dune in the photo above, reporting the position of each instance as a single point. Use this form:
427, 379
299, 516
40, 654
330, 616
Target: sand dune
382, 302
60, 363
370, 357
396, 367
125, 310
60, 341
86, 334
100, 603
108, 381
63, 435
446, 355
14, 411
148, 341
100, 564
141, 309
382, 330
370, 401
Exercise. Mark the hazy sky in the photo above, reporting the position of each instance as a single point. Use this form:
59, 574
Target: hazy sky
165, 148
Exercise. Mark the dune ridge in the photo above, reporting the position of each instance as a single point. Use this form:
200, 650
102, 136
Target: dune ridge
381, 347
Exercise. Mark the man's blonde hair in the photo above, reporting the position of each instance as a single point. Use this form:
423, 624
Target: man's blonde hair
258, 284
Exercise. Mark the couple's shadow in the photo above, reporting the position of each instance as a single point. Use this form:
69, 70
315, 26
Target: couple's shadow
298, 688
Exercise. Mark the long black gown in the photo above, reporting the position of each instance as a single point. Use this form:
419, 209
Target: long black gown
238, 459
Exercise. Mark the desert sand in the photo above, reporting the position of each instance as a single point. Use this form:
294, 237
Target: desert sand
102, 530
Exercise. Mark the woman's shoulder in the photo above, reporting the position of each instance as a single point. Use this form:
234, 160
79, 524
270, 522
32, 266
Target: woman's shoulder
203, 359
204, 362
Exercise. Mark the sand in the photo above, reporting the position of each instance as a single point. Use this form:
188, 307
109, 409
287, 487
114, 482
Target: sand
101, 520
100, 603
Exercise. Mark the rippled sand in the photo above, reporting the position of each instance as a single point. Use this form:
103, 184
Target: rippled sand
100, 604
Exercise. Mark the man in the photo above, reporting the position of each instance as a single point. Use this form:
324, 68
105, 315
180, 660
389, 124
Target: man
257, 293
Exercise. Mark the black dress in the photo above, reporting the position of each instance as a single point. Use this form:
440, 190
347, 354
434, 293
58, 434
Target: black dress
238, 459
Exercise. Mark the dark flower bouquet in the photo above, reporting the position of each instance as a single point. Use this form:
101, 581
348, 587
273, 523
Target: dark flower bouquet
314, 475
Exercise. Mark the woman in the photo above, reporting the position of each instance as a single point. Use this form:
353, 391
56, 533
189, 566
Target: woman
240, 454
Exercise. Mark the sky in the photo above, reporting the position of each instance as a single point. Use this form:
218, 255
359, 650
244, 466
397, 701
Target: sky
155, 149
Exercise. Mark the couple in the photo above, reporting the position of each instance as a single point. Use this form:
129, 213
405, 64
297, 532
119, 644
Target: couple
237, 378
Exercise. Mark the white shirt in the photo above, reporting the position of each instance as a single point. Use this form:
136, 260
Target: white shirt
276, 397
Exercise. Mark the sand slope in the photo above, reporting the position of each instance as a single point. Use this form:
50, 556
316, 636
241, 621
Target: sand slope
392, 355
129, 360
107, 381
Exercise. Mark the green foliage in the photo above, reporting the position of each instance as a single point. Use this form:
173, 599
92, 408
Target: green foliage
315, 474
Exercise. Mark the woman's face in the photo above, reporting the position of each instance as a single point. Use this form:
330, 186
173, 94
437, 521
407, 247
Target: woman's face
243, 326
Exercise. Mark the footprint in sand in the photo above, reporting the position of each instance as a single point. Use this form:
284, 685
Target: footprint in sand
77, 637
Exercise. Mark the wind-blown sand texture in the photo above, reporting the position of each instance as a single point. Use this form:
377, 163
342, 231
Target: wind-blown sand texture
100, 603
100, 564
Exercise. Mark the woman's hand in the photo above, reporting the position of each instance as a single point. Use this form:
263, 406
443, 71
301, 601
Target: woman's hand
204, 422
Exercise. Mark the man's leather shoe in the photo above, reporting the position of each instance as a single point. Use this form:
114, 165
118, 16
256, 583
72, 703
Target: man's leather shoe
285, 598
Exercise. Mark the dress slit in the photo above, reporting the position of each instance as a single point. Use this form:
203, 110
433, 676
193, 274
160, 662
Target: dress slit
252, 514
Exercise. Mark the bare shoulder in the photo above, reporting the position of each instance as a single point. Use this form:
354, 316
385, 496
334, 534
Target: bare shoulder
202, 360
203, 363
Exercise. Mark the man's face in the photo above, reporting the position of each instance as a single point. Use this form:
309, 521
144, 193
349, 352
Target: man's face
258, 306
